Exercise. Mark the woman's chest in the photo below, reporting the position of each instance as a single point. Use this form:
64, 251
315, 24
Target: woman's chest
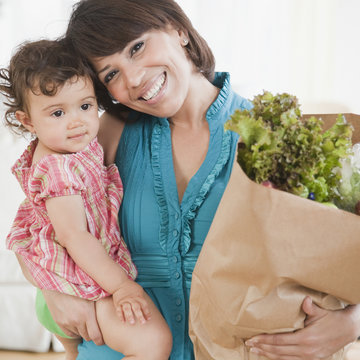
189, 149
152, 217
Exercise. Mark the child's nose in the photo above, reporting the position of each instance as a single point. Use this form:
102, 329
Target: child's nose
75, 123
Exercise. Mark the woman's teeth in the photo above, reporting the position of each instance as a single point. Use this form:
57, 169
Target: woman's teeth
155, 89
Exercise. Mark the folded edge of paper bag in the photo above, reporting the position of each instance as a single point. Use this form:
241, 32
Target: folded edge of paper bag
265, 251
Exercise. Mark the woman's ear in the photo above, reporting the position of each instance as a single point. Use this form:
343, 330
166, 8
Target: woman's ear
25, 120
184, 38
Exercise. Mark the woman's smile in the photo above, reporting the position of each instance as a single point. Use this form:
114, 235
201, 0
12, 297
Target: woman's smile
155, 89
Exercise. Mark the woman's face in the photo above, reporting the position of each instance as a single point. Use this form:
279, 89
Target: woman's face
151, 74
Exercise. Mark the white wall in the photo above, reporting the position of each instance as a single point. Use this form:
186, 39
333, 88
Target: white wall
22, 20
309, 48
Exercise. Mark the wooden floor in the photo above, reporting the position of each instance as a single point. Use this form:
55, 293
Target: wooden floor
352, 354
15, 355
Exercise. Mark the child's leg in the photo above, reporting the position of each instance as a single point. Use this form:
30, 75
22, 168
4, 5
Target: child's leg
149, 341
70, 346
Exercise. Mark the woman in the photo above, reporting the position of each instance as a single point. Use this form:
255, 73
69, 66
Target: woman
175, 161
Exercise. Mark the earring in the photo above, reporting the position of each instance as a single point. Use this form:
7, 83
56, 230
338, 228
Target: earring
185, 41
113, 100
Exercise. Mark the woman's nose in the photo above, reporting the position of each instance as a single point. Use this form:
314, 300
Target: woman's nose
134, 75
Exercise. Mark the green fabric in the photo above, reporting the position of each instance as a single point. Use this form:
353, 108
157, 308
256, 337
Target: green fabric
44, 316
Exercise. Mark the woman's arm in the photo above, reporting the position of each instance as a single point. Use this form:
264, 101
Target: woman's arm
25, 270
325, 333
109, 136
75, 316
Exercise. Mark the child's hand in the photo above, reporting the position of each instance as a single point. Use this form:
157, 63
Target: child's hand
130, 303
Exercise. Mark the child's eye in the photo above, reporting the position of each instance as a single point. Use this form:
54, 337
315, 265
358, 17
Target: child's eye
109, 76
136, 47
85, 106
57, 113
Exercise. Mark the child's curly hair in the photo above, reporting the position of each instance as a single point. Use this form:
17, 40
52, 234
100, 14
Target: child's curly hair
40, 66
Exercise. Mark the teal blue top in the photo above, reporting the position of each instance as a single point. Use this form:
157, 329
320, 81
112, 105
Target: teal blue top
164, 236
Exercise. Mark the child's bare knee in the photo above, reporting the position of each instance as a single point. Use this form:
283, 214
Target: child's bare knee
160, 345
70, 347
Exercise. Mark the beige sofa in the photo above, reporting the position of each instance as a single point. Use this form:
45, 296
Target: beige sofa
19, 327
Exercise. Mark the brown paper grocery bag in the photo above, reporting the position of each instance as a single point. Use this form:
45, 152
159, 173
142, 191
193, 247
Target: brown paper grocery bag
266, 250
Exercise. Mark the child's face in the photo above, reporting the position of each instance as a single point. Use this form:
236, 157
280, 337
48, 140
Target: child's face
67, 121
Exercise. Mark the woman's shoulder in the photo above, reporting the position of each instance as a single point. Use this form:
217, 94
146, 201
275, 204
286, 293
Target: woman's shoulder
228, 90
228, 100
111, 129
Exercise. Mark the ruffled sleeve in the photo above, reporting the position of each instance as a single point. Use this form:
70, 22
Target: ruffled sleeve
56, 175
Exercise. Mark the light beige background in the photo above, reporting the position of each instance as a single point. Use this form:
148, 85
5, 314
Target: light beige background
309, 48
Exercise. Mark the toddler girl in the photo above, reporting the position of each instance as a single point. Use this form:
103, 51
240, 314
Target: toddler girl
66, 230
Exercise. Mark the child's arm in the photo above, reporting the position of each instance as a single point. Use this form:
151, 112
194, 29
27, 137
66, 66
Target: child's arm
67, 215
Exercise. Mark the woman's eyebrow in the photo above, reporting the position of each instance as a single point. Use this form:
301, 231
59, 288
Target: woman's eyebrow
103, 69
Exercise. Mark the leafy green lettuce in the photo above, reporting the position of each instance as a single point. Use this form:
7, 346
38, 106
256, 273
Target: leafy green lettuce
294, 154
349, 185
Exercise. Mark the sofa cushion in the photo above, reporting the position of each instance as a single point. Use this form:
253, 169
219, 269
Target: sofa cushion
10, 271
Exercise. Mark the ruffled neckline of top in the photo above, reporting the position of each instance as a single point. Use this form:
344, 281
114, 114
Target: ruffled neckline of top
222, 80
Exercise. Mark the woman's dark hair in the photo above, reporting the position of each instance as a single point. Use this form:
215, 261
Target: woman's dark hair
40, 66
102, 28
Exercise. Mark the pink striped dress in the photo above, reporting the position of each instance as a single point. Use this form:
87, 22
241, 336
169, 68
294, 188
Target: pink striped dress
32, 235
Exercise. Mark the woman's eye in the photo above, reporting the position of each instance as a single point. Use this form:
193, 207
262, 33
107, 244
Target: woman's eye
109, 76
136, 47
57, 113
85, 106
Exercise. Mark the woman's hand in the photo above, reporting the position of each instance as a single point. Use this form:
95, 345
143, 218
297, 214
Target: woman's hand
75, 316
130, 303
325, 333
